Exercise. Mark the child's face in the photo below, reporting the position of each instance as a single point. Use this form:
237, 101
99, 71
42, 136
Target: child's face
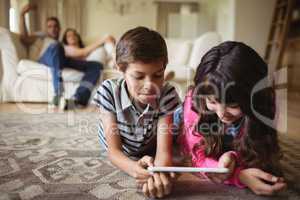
144, 81
72, 38
227, 113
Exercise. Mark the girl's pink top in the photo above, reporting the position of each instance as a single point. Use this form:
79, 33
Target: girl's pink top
188, 140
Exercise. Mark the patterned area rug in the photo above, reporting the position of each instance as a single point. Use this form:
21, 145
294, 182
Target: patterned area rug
57, 156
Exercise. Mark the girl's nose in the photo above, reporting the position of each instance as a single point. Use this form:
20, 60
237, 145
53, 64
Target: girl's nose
221, 111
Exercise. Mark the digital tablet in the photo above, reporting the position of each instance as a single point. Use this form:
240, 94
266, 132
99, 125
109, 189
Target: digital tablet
187, 169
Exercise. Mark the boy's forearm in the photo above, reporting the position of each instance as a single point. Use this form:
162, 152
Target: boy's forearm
163, 160
164, 142
121, 161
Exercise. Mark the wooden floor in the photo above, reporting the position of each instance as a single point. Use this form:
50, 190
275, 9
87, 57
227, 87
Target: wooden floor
293, 112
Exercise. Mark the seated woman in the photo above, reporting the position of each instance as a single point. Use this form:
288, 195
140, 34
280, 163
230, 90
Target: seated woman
75, 48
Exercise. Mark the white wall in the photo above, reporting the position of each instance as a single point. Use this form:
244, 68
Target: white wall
245, 20
4, 13
252, 22
101, 19
225, 19
207, 16
242, 20
17, 5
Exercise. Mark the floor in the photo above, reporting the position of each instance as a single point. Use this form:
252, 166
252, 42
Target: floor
57, 156
62, 144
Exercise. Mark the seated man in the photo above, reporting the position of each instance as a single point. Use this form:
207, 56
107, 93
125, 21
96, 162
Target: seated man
51, 53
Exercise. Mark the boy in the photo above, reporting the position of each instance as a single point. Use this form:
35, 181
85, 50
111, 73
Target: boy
136, 110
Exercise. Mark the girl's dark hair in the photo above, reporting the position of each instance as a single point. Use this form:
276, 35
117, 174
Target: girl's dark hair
229, 72
64, 39
141, 44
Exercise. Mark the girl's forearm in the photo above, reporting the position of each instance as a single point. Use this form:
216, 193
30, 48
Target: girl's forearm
88, 49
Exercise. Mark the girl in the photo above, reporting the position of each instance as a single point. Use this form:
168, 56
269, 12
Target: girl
220, 127
75, 48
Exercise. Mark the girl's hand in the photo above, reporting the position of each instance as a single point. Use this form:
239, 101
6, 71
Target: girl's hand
227, 160
262, 183
139, 170
158, 186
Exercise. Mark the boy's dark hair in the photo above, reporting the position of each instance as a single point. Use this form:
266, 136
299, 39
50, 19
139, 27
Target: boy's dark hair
53, 19
141, 44
64, 39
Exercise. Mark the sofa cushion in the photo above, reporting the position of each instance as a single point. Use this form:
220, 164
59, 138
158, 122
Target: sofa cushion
98, 55
178, 51
182, 73
201, 45
39, 71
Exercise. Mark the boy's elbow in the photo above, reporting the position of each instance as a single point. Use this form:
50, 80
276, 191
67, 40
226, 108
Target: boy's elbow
110, 154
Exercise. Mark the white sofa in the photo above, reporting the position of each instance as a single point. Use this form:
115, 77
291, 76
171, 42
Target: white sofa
24, 80
185, 56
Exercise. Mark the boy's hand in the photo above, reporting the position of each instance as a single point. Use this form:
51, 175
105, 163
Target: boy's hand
257, 180
139, 171
158, 186
227, 160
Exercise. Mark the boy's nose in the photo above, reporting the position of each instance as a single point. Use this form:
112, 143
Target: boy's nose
150, 87
148, 83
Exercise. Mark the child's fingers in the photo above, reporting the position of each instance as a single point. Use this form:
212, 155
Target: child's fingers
267, 189
222, 177
216, 180
166, 183
146, 161
172, 174
281, 180
279, 187
213, 177
266, 176
158, 185
211, 174
151, 188
141, 181
141, 174
225, 162
145, 190
144, 173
